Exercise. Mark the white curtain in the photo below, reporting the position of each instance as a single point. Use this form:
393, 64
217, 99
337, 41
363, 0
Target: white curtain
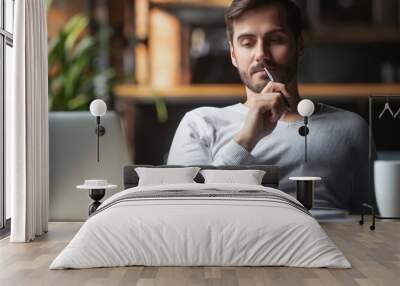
27, 124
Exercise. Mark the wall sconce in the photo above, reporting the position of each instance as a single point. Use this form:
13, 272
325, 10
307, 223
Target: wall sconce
305, 109
98, 108
305, 185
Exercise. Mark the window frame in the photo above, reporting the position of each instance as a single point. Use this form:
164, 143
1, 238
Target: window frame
6, 39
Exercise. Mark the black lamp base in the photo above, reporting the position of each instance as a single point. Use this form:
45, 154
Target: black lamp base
96, 195
100, 130
303, 131
305, 193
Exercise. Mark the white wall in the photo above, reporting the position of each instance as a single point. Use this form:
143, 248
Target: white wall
73, 158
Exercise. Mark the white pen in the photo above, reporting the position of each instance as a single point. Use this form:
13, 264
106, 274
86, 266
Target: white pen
268, 74
272, 79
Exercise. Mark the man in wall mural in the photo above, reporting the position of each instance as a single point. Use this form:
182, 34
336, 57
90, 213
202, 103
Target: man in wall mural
264, 129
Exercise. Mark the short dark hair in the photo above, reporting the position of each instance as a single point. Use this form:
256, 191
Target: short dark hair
239, 7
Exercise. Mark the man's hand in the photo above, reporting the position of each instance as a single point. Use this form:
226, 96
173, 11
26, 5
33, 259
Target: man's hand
264, 112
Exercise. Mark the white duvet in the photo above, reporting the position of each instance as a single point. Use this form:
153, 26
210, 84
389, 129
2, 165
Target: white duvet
200, 231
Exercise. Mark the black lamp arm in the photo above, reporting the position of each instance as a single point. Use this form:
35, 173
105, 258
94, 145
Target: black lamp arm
100, 131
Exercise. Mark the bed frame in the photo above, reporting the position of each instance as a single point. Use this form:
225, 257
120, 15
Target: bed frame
270, 179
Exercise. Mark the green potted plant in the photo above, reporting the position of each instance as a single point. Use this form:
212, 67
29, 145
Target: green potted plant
72, 77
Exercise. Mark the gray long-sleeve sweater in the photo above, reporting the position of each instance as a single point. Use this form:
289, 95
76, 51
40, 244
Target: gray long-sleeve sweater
337, 149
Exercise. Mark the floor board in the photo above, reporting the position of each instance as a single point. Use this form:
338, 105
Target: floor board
375, 257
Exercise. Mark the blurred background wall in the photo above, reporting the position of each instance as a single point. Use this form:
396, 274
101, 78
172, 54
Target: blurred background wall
169, 57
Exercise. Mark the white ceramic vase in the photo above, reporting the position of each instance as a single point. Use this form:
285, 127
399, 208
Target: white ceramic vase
387, 187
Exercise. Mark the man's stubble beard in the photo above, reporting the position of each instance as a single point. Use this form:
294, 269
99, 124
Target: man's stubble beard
257, 88
289, 74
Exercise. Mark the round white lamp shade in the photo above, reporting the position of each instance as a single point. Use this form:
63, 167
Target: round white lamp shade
305, 107
98, 107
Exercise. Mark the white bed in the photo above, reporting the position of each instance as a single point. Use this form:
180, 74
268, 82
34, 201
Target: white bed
250, 226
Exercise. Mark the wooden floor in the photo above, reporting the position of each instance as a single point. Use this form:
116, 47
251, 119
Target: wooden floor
375, 257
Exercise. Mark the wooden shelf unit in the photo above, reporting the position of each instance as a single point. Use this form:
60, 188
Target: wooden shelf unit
219, 91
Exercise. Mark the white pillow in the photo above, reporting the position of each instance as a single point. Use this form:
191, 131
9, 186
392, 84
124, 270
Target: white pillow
163, 176
248, 177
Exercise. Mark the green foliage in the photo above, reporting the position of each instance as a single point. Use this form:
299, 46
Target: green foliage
161, 109
71, 74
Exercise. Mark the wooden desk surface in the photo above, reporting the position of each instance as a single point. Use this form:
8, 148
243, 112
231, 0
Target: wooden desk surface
237, 90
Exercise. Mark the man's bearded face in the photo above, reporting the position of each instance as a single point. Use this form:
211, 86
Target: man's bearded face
262, 37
